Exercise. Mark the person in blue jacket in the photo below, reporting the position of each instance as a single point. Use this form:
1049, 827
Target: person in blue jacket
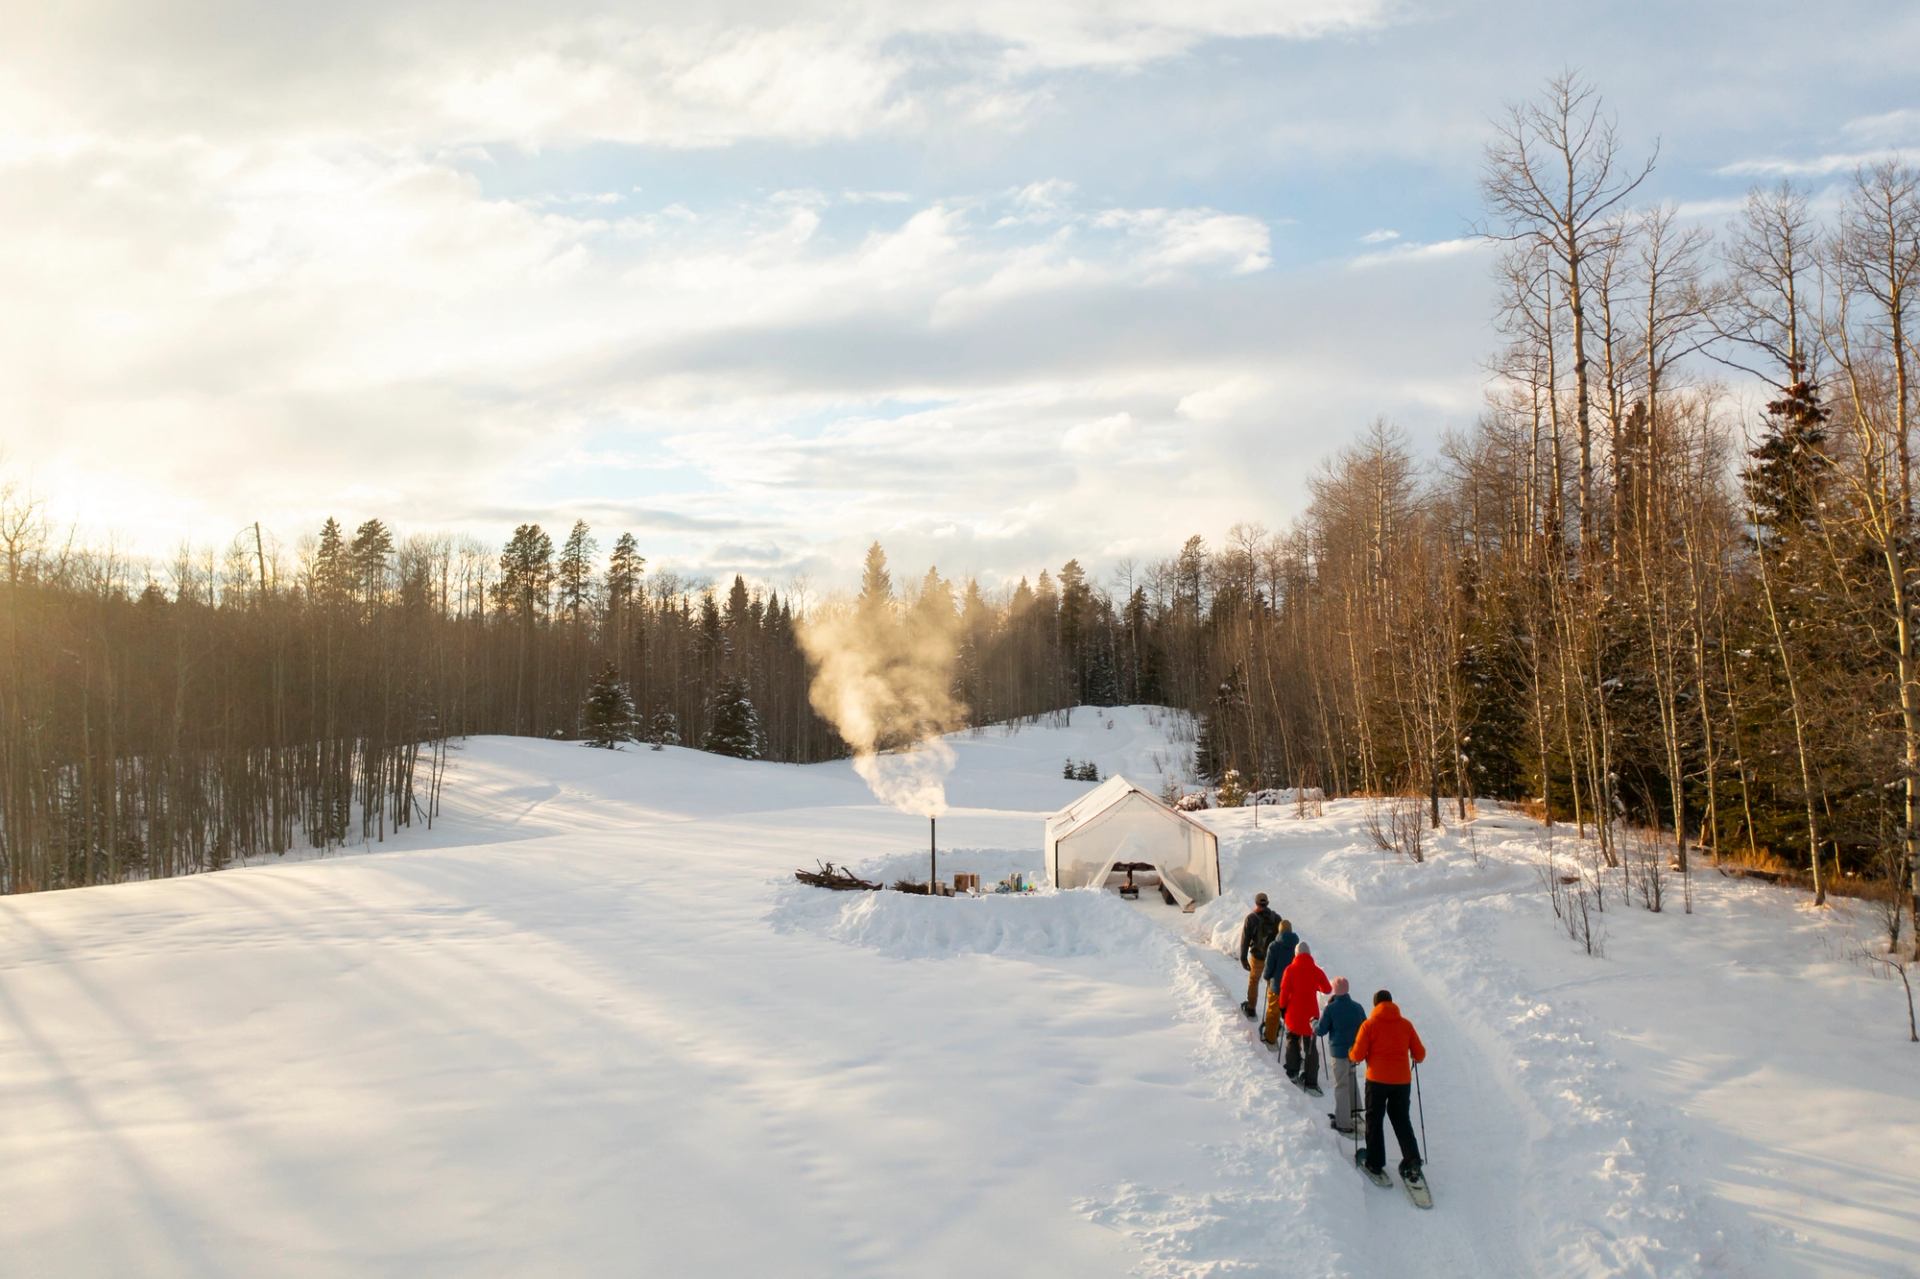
1279, 955
1340, 1021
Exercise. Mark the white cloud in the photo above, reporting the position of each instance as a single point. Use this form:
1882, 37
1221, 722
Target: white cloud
1886, 128
1223, 400
490, 71
1815, 166
1410, 252
276, 316
1383, 236
1109, 437
1047, 194
1195, 237
1701, 210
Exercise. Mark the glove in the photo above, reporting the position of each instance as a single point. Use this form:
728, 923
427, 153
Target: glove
1244, 964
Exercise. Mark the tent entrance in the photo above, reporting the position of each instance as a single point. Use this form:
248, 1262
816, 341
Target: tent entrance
1138, 875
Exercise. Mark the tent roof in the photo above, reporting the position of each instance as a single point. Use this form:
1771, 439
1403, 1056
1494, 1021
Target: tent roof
1105, 796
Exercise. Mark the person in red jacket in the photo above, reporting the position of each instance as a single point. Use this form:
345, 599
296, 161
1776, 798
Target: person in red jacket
1300, 988
1388, 1044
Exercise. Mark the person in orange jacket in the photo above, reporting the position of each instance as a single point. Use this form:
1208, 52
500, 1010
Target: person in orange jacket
1388, 1044
1300, 988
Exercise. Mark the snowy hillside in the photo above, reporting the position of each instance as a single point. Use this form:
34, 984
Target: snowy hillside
589, 1025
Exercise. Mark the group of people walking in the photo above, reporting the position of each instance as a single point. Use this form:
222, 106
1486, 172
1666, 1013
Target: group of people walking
1382, 1040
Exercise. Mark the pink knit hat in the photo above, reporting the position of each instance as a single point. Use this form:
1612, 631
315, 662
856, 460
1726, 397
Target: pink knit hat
1339, 985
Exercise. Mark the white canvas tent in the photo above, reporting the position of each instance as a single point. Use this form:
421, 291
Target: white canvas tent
1117, 822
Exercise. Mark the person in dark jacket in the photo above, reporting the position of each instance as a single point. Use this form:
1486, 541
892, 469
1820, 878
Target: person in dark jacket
1340, 1021
1279, 955
1390, 1047
1256, 934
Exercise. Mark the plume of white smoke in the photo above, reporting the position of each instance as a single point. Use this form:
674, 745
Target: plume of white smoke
885, 680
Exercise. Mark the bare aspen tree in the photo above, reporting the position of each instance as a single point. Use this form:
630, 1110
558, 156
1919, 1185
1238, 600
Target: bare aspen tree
1553, 180
1875, 259
1771, 259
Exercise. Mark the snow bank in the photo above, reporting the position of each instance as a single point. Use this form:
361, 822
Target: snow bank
1044, 924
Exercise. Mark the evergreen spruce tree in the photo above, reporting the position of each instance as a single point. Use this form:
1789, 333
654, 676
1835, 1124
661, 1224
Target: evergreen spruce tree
1233, 791
1790, 467
367, 558
1102, 685
574, 572
624, 567
711, 641
607, 713
663, 728
735, 724
525, 587
1208, 758
876, 584
331, 573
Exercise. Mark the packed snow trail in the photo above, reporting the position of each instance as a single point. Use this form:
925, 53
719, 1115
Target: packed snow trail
1476, 1229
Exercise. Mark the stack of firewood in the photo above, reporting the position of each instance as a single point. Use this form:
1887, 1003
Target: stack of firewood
838, 878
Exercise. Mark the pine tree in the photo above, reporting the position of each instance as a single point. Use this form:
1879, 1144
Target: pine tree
525, 588
624, 567
574, 573
735, 724
1790, 469
1075, 618
608, 710
739, 610
1101, 686
367, 560
1233, 791
876, 584
331, 574
1208, 757
663, 728
711, 640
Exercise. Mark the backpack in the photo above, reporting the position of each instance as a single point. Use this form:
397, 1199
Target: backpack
1262, 926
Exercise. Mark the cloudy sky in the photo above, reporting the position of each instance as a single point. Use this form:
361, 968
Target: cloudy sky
996, 282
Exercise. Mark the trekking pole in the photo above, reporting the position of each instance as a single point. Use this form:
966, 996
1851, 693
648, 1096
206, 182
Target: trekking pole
1353, 1125
1426, 1152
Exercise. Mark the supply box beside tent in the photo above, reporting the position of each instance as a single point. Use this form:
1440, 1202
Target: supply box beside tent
1117, 823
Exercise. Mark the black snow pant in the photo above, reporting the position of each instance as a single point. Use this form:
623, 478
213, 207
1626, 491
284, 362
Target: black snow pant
1297, 1046
1394, 1102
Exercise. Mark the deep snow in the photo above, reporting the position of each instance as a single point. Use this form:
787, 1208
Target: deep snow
589, 1025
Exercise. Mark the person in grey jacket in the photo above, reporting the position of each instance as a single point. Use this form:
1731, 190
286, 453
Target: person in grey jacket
1340, 1021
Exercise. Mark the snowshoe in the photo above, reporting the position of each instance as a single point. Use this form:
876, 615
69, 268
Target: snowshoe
1377, 1178
1313, 1090
1416, 1183
1246, 1008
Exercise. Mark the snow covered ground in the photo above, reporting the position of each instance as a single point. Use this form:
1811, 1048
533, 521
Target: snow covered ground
589, 1025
